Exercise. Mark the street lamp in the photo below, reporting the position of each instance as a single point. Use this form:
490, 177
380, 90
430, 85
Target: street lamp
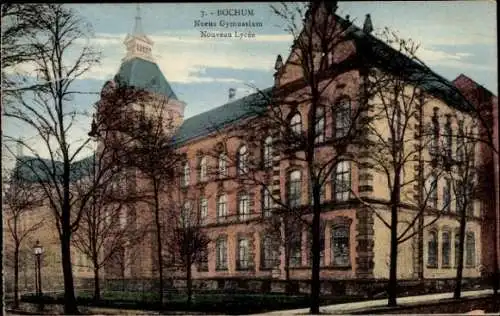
38, 250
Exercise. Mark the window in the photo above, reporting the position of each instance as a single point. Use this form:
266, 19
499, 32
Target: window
268, 254
223, 165
296, 124
185, 178
340, 246
431, 188
448, 138
221, 208
295, 245
243, 160
432, 250
445, 249
268, 152
267, 203
342, 113
221, 252
243, 254
342, 181
457, 249
203, 263
435, 135
203, 210
461, 142
321, 244
470, 250
294, 188
243, 207
203, 169
319, 126
447, 195
184, 216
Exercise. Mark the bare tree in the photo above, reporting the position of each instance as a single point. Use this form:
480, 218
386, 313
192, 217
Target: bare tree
186, 239
147, 130
465, 173
108, 218
21, 198
59, 60
305, 131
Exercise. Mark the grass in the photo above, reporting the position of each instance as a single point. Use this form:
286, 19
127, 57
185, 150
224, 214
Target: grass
207, 302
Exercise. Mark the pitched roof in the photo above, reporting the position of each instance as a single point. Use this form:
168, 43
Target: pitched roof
143, 74
222, 116
34, 169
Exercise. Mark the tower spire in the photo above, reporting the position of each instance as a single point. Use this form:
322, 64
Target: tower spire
138, 22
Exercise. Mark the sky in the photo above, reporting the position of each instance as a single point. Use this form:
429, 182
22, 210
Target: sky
455, 37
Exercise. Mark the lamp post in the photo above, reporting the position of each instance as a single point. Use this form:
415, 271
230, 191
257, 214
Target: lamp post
38, 250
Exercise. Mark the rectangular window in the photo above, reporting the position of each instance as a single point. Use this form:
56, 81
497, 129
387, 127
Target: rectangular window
294, 189
243, 207
445, 249
267, 203
431, 191
448, 139
268, 253
432, 250
342, 110
457, 246
243, 254
340, 246
295, 245
447, 196
203, 210
203, 263
221, 208
222, 165
221, 253
319, 128
342, 181
470, 250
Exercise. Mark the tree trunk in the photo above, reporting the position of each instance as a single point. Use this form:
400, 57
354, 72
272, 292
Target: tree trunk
460, 266
393, 280
159, 244
16, 276
315, 280
70, 306
286, 249
188, 281
495, 275
97, 285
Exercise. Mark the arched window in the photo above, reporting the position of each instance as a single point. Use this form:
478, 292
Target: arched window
243, 206
203, 169
470, 250
342, 114
432, 250
340, 245
222, 165
319, 126
342, 181
294, 188
445, 249
268, 152
221, 208
296, 123
243, 160
186, 175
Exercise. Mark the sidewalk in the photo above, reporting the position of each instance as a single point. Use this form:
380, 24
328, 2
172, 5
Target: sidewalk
348, 308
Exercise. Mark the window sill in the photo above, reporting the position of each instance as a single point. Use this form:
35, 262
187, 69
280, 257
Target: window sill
220, 269
338, 267
432, 267
445, 266
239, 269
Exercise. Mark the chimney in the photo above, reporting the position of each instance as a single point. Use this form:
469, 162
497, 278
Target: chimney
232, 93
279, 63
368, 26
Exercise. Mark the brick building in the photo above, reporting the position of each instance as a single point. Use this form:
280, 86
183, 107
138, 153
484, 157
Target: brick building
354, 239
